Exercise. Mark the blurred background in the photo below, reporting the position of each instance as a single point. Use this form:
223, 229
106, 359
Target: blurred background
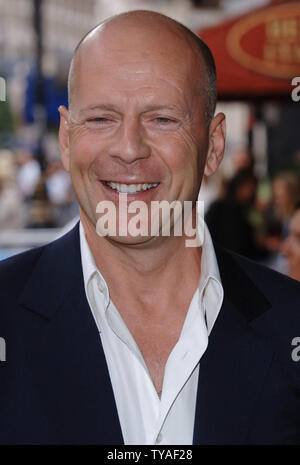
252, 203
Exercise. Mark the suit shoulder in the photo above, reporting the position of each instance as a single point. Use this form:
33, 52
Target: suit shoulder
15, 270
250, 284
270, 301
272, 283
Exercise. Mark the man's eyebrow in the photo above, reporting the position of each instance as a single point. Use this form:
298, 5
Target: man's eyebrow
178, 109
162, 106
111, 107
98, 106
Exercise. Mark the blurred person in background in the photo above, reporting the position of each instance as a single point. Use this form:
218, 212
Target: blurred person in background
29, 172
60, 193
12, 212
291, 245
285, 196
228, 218
276, 217
40, 210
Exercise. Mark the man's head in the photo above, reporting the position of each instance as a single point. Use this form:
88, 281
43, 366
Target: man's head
142, 97
291, 246
209, 87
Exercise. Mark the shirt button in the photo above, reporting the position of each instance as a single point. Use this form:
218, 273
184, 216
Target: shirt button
101, 286
159, 438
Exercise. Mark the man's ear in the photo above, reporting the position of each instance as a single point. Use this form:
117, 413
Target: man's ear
63, 136
216, 147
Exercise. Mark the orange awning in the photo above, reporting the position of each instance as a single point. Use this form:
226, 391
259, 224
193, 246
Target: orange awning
257, 54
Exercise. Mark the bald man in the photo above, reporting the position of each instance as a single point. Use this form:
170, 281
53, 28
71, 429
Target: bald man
142, 337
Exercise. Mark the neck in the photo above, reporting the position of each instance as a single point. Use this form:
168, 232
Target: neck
154, 268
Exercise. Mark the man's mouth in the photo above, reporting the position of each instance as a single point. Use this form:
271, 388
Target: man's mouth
130, 188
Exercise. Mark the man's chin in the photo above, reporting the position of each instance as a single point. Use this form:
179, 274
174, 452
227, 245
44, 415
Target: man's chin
138, 241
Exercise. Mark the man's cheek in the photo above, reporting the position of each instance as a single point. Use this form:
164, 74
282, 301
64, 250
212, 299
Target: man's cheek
82, 154
79, 167
180, 154
77, 132
191, 145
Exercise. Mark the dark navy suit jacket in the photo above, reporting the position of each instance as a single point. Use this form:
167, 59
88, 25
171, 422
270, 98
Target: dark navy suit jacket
55, 386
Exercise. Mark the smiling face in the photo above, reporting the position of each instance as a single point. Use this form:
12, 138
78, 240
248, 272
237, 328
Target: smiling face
137, 120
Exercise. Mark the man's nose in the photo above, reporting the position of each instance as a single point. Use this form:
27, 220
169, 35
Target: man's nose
130, 143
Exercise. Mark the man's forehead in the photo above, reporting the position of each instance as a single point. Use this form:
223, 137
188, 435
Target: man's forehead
124, 40
136, 22
155, 42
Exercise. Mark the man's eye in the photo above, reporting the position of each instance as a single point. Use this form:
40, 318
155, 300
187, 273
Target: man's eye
165, 123
164, 120
99, 121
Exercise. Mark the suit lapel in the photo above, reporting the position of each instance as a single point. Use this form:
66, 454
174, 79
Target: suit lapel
235, 365
71, 348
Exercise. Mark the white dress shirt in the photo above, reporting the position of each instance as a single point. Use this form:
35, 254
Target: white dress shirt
144, 417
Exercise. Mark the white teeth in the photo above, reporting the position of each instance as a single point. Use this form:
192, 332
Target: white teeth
130, 188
